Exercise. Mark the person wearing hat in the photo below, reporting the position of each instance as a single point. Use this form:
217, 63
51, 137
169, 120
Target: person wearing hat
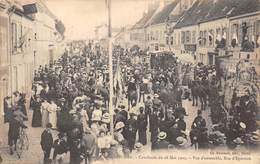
61, 147
131, 128
88, 145
154, 125
15, 122
83, 115
63, 115
182, 142
161, 143
181, 123
47, 142
199, 122
37, 115
52, 109
105, 122
249, 113
142, 126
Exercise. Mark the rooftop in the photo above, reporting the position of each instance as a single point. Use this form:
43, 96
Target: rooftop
146, 17
165, 13
208, 10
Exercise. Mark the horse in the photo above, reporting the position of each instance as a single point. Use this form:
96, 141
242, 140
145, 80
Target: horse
132, 98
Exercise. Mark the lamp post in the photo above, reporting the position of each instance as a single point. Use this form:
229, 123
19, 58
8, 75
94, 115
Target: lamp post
110, 63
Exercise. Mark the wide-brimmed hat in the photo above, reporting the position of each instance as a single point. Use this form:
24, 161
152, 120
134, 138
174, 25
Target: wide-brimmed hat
156, 95
238, 140
255, 138
181, 141
119, 125
138, 145
242, 125
162, 135
62, 99
105, 118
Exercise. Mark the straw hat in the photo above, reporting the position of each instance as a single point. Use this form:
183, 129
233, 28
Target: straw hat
119, 125
238, 140
181, 141
242, 125
105, 118
156, 96
138, 145
162, 135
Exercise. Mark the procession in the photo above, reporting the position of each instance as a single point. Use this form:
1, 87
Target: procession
101, 100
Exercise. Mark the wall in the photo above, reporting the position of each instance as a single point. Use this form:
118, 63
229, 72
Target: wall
156, 36
4, 58
216, 28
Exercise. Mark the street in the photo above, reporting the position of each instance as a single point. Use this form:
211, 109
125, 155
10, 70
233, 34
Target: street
35, 155
98, 81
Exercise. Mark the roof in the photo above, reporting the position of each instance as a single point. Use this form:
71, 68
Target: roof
146, 17
208, 10
164, 14
245, 7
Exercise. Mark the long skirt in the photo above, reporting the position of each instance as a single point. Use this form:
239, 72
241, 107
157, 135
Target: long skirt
142, 137
45, 118
37, 118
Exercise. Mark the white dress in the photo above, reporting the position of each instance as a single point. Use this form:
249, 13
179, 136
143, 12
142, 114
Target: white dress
52, 109
84, 119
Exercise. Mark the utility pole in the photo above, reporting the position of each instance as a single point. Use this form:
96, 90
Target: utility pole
110, 64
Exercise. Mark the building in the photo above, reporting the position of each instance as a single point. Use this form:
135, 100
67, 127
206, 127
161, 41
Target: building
205, 31
122, 39
138, 35
157, 27
4, 52
30, 36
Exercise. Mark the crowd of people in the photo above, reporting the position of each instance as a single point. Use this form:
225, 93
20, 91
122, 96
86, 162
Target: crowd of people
70, 97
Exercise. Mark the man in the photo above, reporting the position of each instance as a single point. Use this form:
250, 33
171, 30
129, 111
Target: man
161, 142
60, 148
142, 126
88, 145
199, 122
131, 126
47, 142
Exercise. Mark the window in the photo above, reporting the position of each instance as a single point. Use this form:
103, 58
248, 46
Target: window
174, 39
200, 38
167, 40
187, 35
205, 38
193, 37
171, 40
14, 37
211, 37
182, 37
179, 39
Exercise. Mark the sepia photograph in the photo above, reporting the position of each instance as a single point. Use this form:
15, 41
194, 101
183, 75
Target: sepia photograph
129, 81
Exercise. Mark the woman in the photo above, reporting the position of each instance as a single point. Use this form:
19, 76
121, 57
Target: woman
45, 113
52, 109
37, 115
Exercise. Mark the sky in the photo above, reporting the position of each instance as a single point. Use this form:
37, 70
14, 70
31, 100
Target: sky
82, 16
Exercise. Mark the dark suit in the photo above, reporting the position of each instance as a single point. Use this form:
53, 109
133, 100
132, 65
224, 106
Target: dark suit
46, 144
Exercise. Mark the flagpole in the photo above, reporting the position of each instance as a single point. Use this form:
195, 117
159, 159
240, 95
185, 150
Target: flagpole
110, 51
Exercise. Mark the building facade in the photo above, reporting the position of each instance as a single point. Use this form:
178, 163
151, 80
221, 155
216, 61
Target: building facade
28, 38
